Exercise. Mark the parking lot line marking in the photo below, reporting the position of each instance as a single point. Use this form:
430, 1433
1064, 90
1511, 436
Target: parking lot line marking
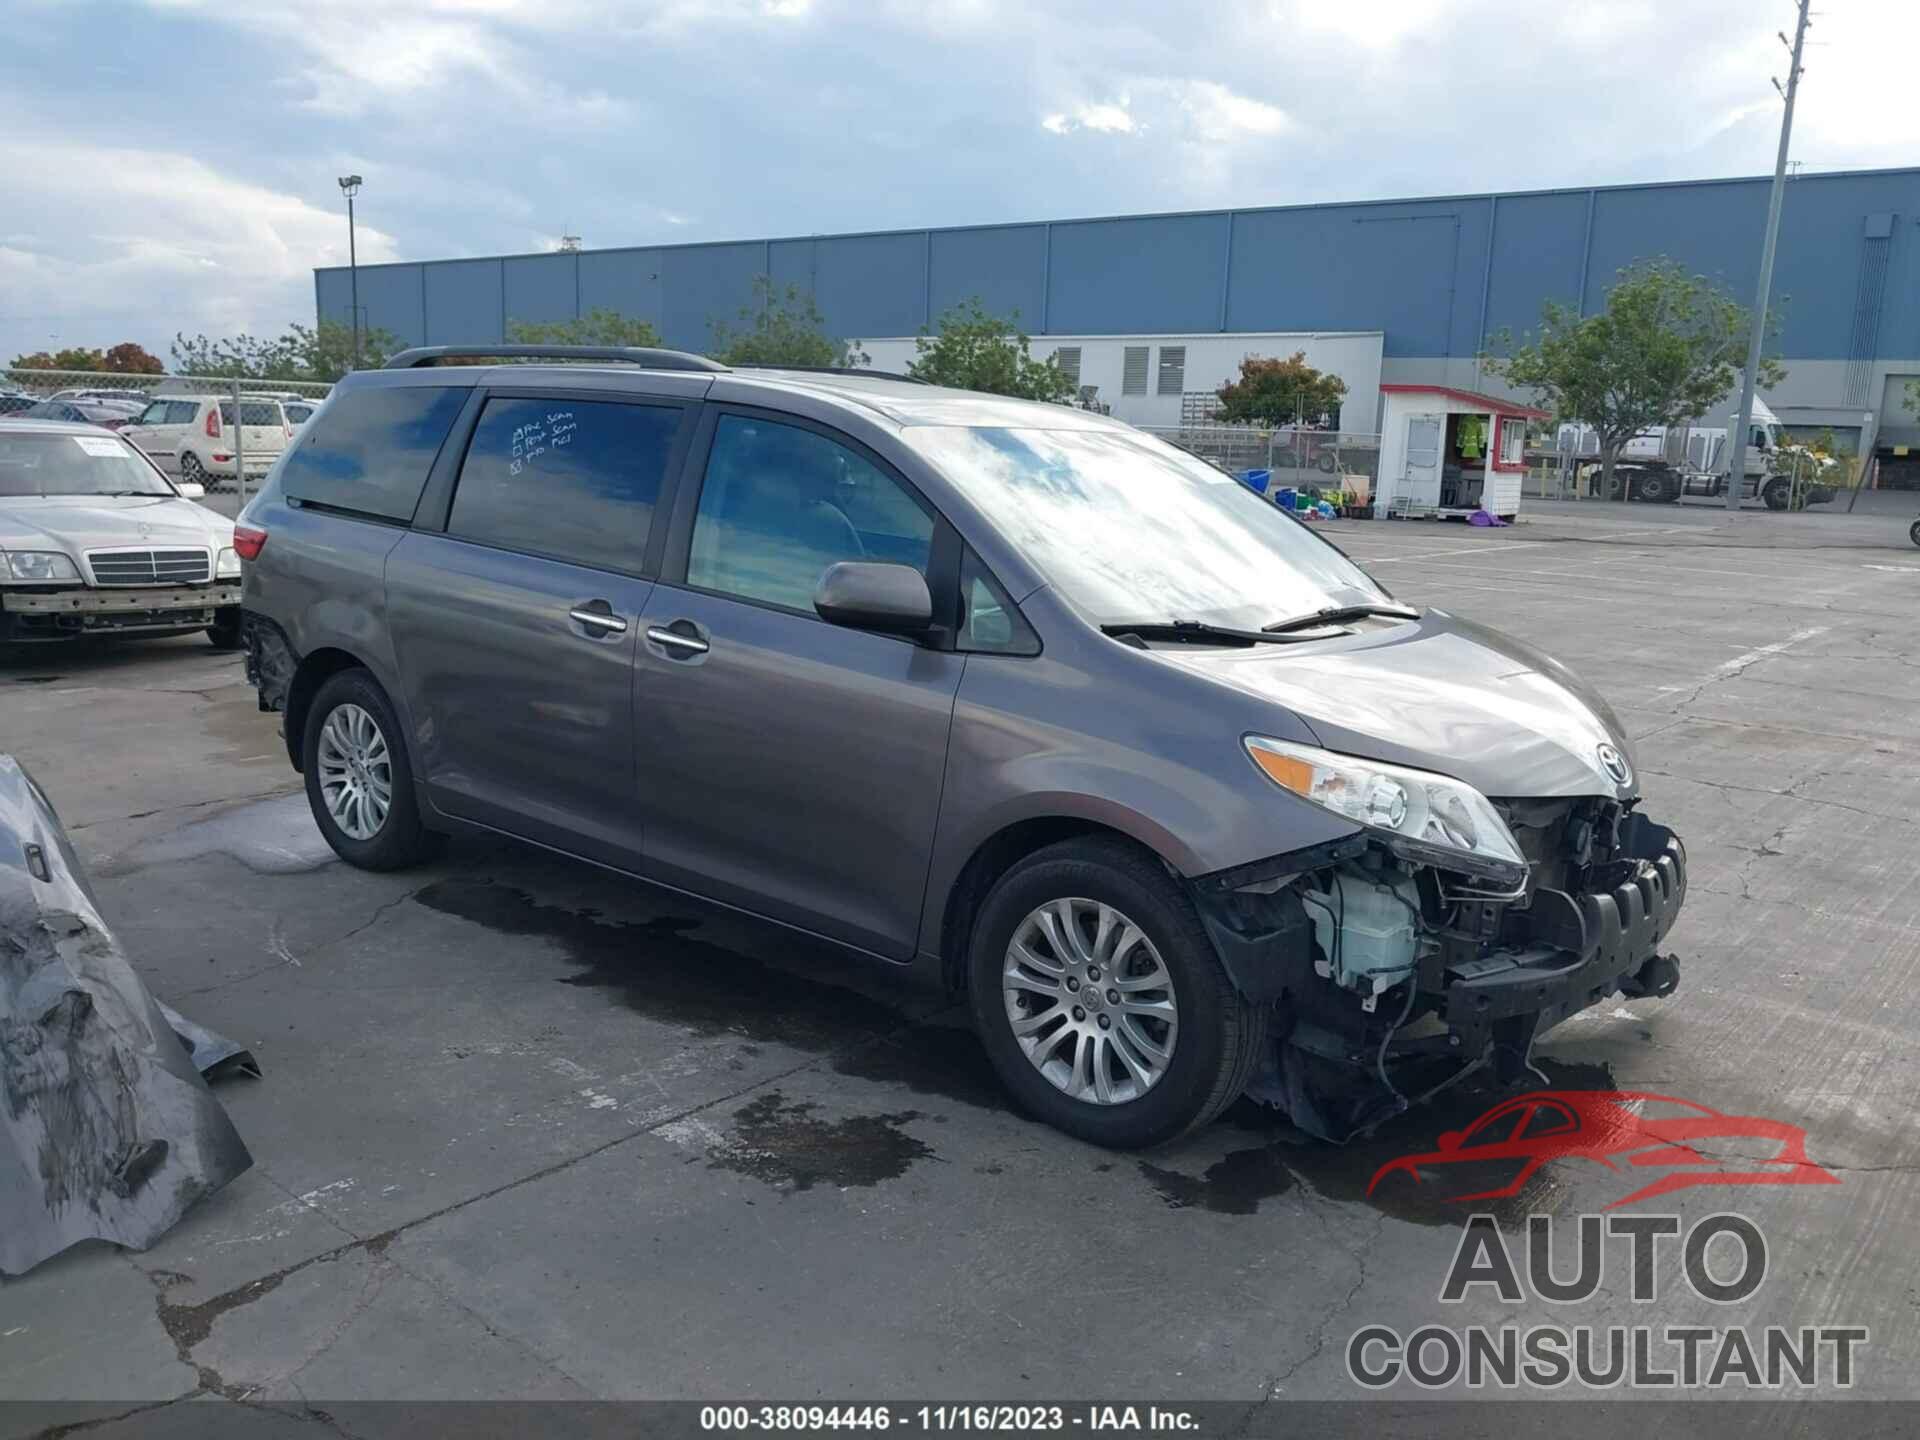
1455, 550
1755, 656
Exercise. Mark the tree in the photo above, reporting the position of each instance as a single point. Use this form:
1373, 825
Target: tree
1667, 345
975, 350
127, 358
596, 327
74, 357
782, 328
1282, 392
322, 353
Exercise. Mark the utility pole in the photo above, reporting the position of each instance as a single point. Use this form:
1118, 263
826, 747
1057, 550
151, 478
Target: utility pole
1743, 422
350, 187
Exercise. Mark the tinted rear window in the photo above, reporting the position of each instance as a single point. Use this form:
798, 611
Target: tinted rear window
253, 412
575, 479
371, 450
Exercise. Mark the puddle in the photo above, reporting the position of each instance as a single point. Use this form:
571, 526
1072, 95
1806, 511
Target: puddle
1238, 1182
35, 679
244, 730
269, 837
782, 1143
661, 968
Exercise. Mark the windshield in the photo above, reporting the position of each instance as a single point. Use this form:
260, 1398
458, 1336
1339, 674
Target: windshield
75, 465
1129, 528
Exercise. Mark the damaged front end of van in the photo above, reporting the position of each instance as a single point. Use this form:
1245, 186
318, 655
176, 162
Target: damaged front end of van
1447, 934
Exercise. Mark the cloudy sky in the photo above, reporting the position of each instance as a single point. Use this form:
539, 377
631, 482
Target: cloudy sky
171, 164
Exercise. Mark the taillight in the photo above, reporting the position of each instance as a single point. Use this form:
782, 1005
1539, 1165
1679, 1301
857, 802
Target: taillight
213, 423
249, 541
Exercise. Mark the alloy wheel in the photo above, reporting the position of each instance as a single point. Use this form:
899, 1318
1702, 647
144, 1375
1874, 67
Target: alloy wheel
1090, 1002
356, 771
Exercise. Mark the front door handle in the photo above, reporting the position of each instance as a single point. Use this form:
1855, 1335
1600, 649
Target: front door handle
598, 617
674, 640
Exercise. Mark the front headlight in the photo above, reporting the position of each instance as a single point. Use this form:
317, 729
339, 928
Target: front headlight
1423, 817
227, 567
40, 565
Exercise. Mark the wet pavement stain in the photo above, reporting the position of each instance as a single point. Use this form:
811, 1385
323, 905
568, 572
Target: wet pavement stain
35, 679
780, 1142
1239, 1181
931, 1059
660, 968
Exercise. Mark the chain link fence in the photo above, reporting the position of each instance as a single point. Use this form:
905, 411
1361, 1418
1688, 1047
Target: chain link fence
1326, 463
219, 433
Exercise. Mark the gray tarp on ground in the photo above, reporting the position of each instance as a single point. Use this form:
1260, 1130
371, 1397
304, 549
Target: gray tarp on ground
107, 1130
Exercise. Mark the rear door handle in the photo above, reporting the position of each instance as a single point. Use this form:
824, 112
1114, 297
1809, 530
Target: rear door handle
674, 640
598, 616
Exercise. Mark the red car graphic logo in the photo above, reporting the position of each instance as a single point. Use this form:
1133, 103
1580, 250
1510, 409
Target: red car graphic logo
1634, 1130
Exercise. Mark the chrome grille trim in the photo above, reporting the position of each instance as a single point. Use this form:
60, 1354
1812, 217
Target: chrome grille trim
150, 567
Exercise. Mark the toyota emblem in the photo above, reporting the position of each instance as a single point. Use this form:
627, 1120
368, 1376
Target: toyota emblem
1616, 766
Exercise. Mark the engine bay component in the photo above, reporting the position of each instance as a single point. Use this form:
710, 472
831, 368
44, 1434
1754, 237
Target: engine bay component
1365, 922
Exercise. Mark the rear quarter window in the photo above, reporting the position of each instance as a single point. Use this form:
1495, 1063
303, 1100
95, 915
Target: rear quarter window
370, 451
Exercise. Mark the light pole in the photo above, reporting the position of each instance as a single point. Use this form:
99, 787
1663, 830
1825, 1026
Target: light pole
1737, 473
350, 187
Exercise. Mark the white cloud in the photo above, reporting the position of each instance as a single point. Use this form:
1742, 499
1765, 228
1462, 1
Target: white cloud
150, 242
1215, 113
1104, 118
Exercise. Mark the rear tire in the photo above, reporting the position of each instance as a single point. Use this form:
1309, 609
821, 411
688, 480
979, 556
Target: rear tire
1913, 532
361, 788
1216, 1036
192, 472
1658, 489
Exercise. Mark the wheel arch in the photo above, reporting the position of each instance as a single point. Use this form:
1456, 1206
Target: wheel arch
315, 669
992, 858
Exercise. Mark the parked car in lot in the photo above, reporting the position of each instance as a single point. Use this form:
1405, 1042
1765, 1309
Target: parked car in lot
14, 401
1010, 696
129, 400
298, 412
77, 412
193, 436
95, 540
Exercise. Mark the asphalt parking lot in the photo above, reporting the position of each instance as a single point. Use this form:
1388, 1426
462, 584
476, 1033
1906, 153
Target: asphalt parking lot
527, 1130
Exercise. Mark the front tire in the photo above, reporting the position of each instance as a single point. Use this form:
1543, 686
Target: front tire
1778, 494
224, 633
359, 779
1913, 532
1095, 930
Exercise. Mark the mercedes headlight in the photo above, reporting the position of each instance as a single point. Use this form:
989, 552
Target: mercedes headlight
40, 565
227, 567
1423, 817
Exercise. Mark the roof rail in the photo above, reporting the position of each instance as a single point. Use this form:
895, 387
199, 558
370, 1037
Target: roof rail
650, 357
838, 370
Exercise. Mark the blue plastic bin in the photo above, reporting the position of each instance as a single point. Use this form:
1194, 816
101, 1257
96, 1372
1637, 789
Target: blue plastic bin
1285, 497
1257, 480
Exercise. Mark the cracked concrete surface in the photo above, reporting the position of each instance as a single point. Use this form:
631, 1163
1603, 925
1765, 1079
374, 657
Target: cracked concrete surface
528, 1131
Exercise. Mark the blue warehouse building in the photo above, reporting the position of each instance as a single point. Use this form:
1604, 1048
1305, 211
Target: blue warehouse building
1412, 289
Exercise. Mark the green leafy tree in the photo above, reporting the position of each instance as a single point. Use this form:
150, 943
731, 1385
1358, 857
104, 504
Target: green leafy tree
1667, 346
782, 327
1282, 392
597, 327
74, 357
323, 352
975, 350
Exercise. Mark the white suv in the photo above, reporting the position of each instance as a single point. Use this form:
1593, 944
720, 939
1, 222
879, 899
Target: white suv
193, 436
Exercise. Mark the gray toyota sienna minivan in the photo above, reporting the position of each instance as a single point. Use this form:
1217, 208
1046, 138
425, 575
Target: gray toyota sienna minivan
1007, 695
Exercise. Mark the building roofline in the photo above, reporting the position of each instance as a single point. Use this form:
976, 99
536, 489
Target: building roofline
1479, 196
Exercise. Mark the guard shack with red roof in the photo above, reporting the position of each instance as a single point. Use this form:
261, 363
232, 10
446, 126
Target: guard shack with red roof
1446, 453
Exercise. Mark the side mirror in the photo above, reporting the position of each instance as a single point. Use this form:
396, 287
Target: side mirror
861, 595
190, 490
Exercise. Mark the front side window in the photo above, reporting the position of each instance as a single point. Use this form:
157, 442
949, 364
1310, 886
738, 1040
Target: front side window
1127, 528
154, 414
574, 479
780, 504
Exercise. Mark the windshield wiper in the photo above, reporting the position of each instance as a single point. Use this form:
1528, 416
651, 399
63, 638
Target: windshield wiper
1191, 631
1334, 614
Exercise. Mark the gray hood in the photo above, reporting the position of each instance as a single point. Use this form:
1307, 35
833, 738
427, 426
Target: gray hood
74, 523
1439, 694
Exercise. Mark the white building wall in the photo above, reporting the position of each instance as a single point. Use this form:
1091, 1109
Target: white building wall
1212, 360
